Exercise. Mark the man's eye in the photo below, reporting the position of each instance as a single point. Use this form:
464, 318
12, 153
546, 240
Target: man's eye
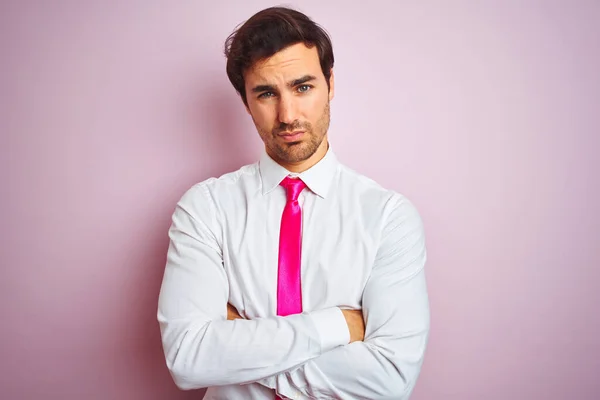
266, 95
304, 88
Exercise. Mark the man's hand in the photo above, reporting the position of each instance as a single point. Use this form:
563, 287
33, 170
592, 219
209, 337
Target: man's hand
356, 324
232, 313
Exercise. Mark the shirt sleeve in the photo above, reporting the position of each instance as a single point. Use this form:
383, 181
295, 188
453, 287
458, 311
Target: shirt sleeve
396, 310
202, 348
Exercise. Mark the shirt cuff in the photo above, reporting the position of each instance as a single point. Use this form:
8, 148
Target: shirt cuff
332, 328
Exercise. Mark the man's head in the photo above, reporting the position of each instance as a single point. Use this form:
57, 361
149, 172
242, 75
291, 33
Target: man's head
280, 62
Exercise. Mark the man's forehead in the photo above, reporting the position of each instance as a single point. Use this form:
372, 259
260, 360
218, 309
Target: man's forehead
293, 60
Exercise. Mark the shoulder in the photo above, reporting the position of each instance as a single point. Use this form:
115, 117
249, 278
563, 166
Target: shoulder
229, 181
205, 195
365, 186
395, 207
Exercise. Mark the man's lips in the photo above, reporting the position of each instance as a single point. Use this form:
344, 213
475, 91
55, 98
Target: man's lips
291, 136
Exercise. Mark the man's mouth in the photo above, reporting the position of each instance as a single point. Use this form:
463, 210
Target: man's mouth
291, 136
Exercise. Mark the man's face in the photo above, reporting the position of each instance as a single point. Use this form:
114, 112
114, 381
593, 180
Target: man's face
288, 100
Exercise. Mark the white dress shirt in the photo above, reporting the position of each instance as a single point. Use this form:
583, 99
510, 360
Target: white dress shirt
362, 248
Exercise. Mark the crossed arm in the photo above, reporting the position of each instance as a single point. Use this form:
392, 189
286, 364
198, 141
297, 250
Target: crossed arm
386, 363
354, 319
308, 354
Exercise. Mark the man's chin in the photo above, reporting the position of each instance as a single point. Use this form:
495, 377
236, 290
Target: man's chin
292, 156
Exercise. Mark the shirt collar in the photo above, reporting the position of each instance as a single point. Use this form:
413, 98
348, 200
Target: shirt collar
318, 178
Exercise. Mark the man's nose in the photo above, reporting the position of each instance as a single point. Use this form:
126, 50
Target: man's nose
288, 110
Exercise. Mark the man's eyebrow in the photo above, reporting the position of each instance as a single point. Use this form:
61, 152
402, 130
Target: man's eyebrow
295, 82
300, 81
263, 88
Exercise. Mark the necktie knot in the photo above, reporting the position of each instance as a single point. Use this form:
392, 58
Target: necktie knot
293, 188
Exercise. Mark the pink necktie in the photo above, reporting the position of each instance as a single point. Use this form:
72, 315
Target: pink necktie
289, 294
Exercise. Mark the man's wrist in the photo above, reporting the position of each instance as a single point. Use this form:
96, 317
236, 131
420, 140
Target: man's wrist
332, 328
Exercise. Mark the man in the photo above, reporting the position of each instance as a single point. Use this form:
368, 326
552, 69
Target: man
295, 276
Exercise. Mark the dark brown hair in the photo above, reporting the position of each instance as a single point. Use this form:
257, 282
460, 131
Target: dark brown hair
267, 32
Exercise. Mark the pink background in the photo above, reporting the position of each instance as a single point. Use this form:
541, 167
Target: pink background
485, 113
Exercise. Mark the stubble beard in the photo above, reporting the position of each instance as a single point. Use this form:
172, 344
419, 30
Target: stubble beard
295, 152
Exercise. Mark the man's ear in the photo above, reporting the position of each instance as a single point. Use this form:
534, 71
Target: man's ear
331, 85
